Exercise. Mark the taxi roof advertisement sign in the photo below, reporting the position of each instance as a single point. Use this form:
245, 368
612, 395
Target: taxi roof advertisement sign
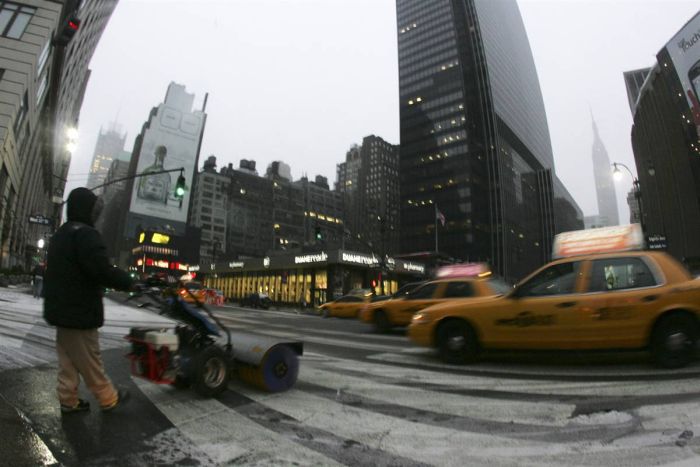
602, 240
684, 49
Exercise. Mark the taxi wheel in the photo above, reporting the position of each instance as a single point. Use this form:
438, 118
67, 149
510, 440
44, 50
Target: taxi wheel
325, 313
673, 341
381, 321
457, 342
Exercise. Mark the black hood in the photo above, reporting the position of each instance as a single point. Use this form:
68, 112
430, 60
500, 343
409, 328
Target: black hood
80, 203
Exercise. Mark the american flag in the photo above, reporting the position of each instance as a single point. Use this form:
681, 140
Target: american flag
440, 217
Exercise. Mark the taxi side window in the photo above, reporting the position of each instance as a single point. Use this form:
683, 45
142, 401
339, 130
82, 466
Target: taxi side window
422, 293
349, 299
559, 279
619, 274
459, 290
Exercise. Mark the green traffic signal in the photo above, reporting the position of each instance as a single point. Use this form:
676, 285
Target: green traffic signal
180, 187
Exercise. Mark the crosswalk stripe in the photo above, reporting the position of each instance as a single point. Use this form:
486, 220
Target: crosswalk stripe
354, 335
343, 343
559, 374
423, 443
238, 432
544, 413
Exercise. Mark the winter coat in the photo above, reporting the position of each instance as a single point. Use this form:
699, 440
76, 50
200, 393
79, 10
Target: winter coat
78, 269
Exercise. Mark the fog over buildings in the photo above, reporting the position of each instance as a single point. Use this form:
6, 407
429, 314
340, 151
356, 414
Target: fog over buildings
294, 81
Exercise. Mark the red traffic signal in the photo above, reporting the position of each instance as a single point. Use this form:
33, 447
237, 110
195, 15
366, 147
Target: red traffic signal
67, 31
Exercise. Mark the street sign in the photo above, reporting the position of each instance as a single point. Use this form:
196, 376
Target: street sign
39, 219
657, 242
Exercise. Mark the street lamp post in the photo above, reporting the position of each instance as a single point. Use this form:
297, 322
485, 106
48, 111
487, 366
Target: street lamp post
617, 175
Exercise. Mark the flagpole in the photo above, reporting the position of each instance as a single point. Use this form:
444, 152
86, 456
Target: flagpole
436, 228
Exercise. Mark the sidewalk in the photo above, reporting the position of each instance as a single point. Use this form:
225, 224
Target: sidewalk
20, 443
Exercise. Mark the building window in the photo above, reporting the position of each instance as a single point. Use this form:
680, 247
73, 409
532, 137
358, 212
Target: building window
14, 19
24, 105
43, 58
41, 90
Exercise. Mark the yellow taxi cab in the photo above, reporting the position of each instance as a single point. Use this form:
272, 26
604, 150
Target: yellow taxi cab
189, 291
599, 294
349, 306
457, 282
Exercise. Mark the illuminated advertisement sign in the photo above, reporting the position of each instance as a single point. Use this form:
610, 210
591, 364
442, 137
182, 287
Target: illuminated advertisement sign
359, 259
306, 259
603, 240
413, 267
170, 142
684, 50
463, 270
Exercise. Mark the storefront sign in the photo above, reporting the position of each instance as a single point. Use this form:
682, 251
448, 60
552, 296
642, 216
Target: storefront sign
266, 261
359, 259
391, 263
306, 259
236, 265
413, 267
193, 268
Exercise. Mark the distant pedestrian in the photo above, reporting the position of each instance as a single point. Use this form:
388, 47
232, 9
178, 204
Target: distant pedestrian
77, 272
38, 280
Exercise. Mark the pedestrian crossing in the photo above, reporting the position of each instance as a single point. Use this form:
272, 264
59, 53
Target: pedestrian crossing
389, 424
391, 405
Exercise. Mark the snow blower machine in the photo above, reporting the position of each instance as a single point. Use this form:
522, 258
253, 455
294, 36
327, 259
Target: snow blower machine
195, 354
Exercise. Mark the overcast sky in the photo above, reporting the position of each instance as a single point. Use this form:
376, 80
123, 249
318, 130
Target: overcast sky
302, 80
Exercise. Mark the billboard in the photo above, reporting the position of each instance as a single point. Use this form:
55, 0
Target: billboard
684, 50
170, 142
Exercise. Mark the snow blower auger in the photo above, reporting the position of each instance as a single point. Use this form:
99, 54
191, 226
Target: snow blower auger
192, 354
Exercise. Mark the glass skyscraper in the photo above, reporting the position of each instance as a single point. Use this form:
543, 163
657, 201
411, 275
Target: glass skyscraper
474, 137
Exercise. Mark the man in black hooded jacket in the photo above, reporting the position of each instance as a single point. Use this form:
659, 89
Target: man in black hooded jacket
77, 272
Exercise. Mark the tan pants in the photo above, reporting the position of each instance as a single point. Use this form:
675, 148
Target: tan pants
79, 355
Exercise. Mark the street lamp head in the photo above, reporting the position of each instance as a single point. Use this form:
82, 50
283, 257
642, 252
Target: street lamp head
40, 243
72, 133
617, 173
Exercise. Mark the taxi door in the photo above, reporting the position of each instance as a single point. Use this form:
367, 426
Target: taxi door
422, 297
541, 313
621, 300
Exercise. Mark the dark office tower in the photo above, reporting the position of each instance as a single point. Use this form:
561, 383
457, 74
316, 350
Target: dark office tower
666, 145
633, 83
474, 137
604, 185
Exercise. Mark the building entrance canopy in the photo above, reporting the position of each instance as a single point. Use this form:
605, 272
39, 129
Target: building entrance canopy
318, 259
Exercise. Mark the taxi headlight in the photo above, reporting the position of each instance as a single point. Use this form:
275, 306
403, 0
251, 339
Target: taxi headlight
420, 318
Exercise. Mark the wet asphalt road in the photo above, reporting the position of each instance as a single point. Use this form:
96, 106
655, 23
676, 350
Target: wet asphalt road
361, 399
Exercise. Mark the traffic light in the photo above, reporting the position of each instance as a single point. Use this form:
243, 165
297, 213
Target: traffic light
317, 232
68, 29
180, 187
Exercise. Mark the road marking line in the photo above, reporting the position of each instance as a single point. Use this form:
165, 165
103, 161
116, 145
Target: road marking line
549, 413
226, 435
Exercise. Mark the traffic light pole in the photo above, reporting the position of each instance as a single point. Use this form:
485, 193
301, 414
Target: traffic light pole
131, 177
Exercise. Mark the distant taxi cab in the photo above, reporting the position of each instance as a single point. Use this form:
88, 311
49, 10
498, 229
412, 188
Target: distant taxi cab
192, 292
464, 282
348, 306
616, 299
